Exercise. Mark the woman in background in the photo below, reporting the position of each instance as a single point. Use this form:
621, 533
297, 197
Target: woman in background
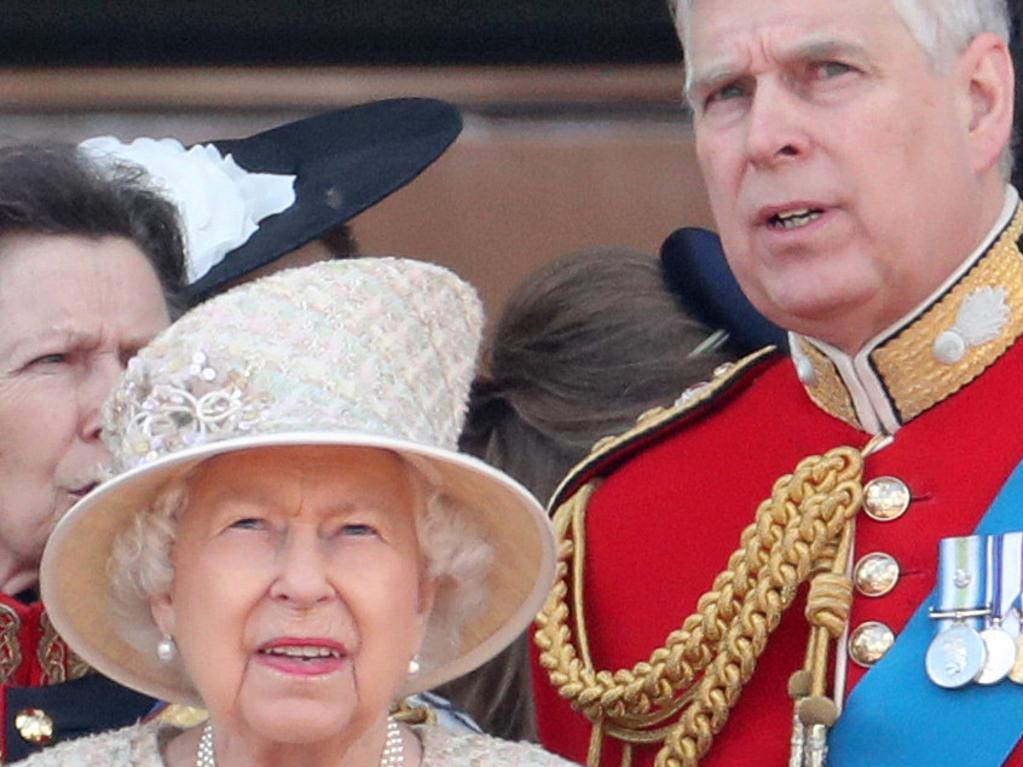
583, 347
91, 268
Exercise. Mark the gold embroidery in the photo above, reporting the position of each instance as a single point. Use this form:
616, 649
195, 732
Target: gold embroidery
828, 393
51, 652
10, 647
654, 419
58, 662
915, 379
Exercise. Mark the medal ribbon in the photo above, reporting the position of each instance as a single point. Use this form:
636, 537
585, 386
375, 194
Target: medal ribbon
994, 579
963, 571
1012, 581
896, 717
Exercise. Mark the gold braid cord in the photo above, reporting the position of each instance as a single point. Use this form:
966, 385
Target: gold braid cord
698, 675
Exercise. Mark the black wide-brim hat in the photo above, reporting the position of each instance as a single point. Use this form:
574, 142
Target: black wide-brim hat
695, 267
345, 161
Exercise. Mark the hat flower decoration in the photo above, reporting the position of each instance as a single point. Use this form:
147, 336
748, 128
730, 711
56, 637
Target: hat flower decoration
245, 202
219, 203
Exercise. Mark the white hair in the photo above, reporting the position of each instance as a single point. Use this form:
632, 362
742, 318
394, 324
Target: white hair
451, 540
944, 29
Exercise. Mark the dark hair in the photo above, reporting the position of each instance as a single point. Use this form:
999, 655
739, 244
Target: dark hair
584, 346
54, 189
341, 242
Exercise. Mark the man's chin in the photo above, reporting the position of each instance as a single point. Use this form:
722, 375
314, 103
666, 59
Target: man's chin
826, 318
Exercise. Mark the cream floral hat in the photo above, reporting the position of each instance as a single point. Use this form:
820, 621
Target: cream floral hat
362, 352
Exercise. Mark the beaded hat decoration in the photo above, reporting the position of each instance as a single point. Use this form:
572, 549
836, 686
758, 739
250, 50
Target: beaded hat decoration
369, 352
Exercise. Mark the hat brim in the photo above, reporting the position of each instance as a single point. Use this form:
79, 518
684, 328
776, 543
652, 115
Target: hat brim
345, 161
696, 269
75, 577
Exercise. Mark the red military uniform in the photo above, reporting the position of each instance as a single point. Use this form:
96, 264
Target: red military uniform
672, 496
48, 693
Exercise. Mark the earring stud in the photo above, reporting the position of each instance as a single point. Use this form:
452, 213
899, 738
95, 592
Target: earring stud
166, 650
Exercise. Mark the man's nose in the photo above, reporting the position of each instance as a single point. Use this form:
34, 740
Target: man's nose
776, 128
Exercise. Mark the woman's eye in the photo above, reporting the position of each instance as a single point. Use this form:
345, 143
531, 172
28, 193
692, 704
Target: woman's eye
358, 530
55, 358
248, 523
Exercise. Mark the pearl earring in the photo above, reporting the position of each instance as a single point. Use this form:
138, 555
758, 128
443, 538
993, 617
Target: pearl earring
166, 650
413, 665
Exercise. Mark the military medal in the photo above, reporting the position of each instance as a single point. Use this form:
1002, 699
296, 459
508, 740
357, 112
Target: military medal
999, 643
1001, 655
1013, 564
1016, 673
958, 654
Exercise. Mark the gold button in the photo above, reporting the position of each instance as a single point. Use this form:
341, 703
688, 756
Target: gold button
876, 574
886, 498
34, 725
869, 642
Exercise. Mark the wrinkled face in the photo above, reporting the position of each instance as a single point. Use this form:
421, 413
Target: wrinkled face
297, 602
839, 162
72, 312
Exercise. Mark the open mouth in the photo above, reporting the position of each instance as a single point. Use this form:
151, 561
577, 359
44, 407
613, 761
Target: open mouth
307, 653
795, 218
303, 657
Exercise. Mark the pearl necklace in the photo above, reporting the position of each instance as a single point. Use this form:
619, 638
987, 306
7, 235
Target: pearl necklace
393, 755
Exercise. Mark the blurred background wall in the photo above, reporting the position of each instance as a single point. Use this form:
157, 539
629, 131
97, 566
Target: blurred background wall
574, 132
575, 135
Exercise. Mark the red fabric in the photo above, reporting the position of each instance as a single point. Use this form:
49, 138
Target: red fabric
29, 672
664, 522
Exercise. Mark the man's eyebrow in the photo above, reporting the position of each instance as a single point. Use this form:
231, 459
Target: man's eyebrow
709, 77
824, 48
712, 76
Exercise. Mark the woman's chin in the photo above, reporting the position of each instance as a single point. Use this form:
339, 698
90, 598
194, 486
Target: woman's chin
296, 723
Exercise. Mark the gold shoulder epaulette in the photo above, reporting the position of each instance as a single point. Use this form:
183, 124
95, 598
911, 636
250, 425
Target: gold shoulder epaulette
694, 400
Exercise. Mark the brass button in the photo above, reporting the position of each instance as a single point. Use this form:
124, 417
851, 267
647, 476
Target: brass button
885, 498
876, 574
34, 725
869, 642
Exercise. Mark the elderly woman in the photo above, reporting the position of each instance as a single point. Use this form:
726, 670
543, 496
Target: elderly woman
293, 542
91, 266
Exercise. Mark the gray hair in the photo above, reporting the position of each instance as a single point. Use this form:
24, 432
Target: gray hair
454, 548
944, 29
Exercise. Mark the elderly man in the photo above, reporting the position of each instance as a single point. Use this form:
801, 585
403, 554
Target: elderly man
749, 576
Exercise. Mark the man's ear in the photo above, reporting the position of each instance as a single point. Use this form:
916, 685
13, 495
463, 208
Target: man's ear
162, 610
985, 73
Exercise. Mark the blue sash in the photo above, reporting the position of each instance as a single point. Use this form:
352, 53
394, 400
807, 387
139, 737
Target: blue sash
896, 717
